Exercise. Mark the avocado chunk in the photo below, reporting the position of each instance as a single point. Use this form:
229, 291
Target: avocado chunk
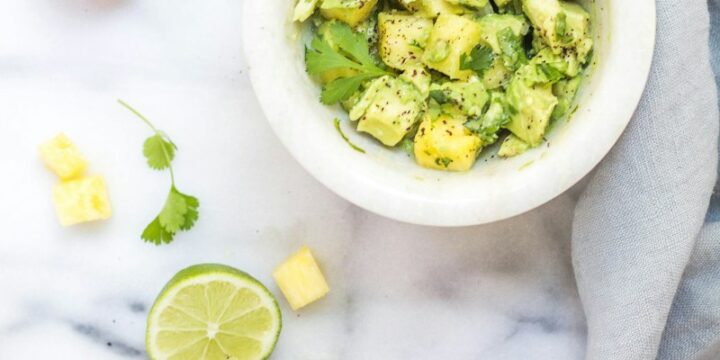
563, 25
497, 75
531, 107
444, 143
512, 146
492, 24
495, 117
304, 9
418, 76
478, 4
565, 91
402, 39
470, 97
451, 37
548, 67
388, 109
351, 12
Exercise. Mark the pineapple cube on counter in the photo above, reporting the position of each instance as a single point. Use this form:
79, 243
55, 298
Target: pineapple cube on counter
82, 200
63, 157
300, 279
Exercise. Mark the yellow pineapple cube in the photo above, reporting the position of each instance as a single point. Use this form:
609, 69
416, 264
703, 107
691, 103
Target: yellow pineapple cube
63, 157
81, 200
300, 279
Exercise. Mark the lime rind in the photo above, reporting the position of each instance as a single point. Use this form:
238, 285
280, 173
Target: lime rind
203, 274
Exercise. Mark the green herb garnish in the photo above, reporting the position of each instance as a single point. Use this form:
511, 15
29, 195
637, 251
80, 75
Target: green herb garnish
180, 211
479, 60
347, 140
352, 53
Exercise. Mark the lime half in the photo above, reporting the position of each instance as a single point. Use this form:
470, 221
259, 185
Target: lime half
211, 311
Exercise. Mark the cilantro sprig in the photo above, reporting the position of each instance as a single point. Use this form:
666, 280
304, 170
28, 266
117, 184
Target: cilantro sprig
350, 51
479, 60
180, 211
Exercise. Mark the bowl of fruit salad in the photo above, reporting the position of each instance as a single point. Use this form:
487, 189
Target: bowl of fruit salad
449, 112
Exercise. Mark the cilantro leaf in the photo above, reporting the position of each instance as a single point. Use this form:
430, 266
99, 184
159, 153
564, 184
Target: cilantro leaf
156, 234
351, 53
479, 60
192, 214
180, 211
172, 215
321, 57
439, 96
352, 43
341, 89
158, 152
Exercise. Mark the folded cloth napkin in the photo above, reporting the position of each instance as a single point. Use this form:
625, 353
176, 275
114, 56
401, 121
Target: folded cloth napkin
646, 248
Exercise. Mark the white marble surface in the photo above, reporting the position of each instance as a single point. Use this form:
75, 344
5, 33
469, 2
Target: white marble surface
503, 291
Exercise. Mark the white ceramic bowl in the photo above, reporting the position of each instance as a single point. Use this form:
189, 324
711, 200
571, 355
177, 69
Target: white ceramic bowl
391, 184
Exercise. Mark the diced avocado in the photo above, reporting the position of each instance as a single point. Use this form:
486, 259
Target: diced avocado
502, 3
487, 126
530, 107
548, 67
388, 109
470, 97
565, 91
492, 24
418, 76
563, 25
304, 9
577, 28
352, 12
478, 4
351, 101
451, 37
497, 75
402, 38
512, 146
444, 143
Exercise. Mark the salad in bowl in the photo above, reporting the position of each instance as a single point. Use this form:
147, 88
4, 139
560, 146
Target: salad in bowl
446, 79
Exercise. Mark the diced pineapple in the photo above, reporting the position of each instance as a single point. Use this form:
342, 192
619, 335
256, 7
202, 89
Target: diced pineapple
63, 157
402, 39
445, 143
81, 200
451, 37
352, 12
300, 279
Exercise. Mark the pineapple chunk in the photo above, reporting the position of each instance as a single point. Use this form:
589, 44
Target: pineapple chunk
446, 144
451, 37
63, 157
402, 39
81, 200
352, 12
300, 279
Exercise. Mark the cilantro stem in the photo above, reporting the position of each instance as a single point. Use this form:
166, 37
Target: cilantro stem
158, 133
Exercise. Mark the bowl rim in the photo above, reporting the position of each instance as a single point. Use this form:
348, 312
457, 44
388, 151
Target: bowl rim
397, 203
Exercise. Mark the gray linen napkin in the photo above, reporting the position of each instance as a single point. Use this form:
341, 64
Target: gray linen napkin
647, 263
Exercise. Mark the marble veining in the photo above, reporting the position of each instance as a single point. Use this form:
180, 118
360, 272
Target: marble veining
502, 291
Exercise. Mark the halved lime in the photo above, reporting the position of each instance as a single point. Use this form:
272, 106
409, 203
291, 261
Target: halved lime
211, 311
